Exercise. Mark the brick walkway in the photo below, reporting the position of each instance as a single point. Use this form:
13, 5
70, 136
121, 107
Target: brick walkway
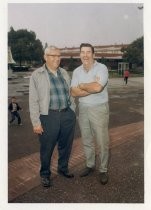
23, 174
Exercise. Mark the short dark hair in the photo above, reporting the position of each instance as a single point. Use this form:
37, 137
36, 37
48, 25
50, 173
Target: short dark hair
87, 45
14, 97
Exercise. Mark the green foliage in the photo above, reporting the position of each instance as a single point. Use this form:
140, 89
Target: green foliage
134, 53
24, 46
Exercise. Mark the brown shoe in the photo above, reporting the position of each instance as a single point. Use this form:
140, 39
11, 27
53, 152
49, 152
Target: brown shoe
86, 171
103, 178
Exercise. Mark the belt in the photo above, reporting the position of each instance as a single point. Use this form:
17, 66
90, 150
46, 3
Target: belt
59, 110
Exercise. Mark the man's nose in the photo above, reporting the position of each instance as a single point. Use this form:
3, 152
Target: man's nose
85, 54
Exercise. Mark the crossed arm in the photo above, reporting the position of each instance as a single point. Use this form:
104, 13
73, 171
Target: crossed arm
85, 89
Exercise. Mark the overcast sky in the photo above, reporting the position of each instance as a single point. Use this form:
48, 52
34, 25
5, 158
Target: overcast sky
69, 24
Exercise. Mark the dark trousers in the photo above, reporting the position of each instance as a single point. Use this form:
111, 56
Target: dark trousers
15, 115
58, 129
126, 80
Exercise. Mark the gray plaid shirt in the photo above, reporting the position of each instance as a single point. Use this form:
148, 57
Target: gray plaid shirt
59, 91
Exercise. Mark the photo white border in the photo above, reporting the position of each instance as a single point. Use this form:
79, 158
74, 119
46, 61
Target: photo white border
4, 205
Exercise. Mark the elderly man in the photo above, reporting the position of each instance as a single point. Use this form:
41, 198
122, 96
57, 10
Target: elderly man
89, 83
52, 113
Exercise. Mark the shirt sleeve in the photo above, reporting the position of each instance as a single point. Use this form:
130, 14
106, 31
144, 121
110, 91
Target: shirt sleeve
102, 75
33, 102
75, 79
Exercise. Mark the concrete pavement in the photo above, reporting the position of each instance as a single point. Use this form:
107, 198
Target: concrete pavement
126, 132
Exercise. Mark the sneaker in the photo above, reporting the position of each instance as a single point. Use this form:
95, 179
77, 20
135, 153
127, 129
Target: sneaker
10, 123
45, 181
86, 171
20, 124
103, 178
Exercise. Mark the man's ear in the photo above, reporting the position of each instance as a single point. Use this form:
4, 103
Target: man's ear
45, 57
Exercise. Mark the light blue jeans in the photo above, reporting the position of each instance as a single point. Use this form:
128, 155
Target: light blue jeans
93, 122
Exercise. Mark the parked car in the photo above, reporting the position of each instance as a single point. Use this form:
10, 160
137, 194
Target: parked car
20, 68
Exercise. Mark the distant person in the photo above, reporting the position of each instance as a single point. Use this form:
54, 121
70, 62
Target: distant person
14, 110
89, 83
52, 115
126, 76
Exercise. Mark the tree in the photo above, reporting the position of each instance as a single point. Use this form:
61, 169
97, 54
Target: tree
134, 53
24, 46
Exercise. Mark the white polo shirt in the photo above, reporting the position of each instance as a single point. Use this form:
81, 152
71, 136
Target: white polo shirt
99, 73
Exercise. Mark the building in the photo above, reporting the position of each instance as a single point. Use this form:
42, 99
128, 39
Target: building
110, 55
10, 62
10, 57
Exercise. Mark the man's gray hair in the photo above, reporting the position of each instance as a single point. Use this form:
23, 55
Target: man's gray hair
52, 47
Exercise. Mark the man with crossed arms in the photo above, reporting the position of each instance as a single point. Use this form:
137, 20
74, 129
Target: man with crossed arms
89, 83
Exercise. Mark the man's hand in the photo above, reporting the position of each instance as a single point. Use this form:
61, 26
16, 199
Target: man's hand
38, 129
97, 79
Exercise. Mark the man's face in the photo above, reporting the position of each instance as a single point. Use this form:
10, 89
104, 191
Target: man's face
86, 55
53, 58
13, 100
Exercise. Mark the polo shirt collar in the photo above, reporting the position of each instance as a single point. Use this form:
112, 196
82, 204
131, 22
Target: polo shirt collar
94, 64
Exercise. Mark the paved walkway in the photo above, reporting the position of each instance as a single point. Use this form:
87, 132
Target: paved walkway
24, 172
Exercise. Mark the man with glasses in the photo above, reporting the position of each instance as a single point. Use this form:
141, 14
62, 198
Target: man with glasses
51, 113
89, 83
